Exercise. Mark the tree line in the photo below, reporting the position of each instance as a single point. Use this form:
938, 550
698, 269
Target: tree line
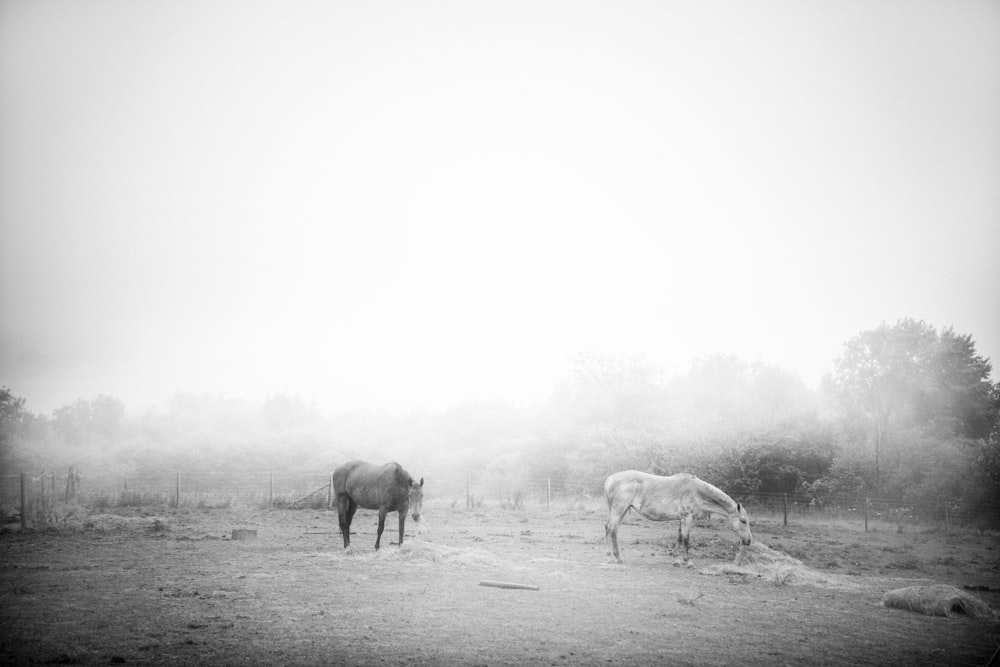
909, 412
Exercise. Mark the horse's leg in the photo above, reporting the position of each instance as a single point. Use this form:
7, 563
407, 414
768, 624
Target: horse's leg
402, 521
344, 514
684, 536
381, 526
611, 529
352, 507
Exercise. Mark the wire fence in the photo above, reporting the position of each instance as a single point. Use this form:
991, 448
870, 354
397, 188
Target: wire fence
35, 499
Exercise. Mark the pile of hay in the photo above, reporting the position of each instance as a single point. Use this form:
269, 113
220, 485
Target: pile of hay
938, 600
429, 552
760, 560
759, 556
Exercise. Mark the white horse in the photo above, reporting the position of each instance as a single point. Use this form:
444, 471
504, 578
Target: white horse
680, 496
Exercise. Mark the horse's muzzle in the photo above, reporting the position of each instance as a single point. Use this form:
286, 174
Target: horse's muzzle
746, 543
416, 517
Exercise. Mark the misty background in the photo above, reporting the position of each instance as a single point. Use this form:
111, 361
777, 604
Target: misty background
563, 236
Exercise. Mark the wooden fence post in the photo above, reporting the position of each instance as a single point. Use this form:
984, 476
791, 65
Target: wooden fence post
177, 490
329, 493
868, 504
785, 506
24, 509
270, 493
71, 485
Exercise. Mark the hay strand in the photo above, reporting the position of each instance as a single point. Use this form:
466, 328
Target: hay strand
938, 600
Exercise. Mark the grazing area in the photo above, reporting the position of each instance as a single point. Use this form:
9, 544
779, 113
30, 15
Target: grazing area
174, 588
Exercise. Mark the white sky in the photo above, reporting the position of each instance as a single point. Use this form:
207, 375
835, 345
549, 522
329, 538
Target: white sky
417, 203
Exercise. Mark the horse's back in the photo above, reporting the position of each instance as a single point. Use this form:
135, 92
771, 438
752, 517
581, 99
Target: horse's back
346, 471
631, 487
622, 487
371, 484
637, 477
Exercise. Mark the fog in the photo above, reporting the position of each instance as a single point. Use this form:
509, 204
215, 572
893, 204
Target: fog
414, 206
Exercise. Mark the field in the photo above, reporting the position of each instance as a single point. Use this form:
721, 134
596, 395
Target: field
173, 588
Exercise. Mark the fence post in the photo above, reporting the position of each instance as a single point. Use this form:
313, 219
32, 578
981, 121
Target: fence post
270, 493
329, 493
868, 504
24, 512
785, 509
548, 493
177, 490
71, 485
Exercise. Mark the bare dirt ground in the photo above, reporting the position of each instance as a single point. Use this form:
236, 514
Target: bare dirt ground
172, 588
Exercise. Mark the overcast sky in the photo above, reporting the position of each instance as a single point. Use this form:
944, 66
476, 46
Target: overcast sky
418, 203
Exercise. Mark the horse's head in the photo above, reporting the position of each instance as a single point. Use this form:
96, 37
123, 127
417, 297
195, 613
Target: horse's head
739, 521
416, 498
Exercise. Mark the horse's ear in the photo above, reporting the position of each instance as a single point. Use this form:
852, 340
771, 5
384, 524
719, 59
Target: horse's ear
739, 508
421, 481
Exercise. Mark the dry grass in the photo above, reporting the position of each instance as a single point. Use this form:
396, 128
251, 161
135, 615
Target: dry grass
420, 550
760, 560
938, 600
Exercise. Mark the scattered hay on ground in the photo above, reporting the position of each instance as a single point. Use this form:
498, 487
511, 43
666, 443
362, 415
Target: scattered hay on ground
938, 600
429, 552
114, 522
760, 560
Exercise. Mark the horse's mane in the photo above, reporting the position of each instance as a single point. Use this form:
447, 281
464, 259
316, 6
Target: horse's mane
402, 477
716, 496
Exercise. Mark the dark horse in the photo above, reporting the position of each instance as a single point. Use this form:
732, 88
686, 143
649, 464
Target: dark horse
386, 488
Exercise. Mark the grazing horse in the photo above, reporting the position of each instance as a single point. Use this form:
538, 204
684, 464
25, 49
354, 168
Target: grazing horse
680, 496
386, 488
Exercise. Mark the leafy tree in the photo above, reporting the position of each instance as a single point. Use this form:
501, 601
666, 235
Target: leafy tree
613, 403
12, 416
770, 468
11, 413
24, 436
847, 479
912, 386
84, 421
723, 402
980, 486
283, 412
